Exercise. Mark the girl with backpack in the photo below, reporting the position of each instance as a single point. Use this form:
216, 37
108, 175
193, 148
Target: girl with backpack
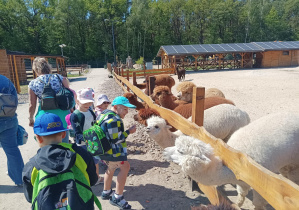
36, 90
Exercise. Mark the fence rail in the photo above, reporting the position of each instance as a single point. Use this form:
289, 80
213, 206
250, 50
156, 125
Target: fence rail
280, 192
147, 72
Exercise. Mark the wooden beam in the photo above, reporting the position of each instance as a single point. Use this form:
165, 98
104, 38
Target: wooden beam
128, 78
198, 105
151, 84
12, 70
134, 79
17, 75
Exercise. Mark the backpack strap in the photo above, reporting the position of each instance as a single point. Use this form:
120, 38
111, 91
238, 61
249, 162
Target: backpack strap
59, 79
48, 80
94, 116
102, 118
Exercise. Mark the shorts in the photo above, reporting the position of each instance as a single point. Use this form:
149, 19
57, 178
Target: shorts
114, 164
96, 161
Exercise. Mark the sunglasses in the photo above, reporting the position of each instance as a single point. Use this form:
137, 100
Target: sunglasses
106, 102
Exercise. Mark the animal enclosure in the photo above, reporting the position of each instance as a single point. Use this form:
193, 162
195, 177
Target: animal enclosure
279, 192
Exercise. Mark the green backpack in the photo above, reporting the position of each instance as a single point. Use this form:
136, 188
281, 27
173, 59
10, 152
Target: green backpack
95, 138
64, 191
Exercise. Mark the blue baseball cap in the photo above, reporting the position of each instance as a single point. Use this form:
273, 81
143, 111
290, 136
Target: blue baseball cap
121, 100
48, 124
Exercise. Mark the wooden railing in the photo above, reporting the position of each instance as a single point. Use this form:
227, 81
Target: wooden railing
146, 72
280, 192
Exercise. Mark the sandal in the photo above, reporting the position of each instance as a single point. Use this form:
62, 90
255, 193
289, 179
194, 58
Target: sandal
107, 196
119, 202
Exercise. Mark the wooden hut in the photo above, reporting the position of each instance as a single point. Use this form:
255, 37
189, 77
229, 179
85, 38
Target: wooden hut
231, 56
17, 66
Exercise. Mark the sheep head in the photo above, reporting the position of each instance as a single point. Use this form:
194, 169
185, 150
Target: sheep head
185, 91
196, 159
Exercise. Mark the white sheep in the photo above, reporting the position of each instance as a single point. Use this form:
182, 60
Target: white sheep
272, 141
221, 121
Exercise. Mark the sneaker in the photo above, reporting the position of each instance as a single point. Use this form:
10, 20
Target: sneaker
107, 196
119, 202
100, 181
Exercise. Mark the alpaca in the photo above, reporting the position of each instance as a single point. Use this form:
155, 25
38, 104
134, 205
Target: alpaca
163, 97
159, 90
144, 114
212, 92
220, 121
272, 141
185, 91
181, 73
162, 79
133, 100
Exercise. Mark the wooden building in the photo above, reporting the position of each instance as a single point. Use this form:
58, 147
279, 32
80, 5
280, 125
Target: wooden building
17, 66
231, 56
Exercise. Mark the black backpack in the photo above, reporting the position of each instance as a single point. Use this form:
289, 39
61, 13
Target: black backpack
8, 104
48, 99
65, 97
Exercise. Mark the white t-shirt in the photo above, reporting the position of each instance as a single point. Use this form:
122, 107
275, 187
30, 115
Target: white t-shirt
88, 120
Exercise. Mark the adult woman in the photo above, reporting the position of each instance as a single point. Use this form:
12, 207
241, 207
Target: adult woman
35, 89
8, 136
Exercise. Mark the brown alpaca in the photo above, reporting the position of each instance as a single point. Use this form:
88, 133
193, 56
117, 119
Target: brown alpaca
186, 110
144, 114
133, 100
159, 90
162, 79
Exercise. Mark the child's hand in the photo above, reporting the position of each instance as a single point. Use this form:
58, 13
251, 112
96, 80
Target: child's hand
132, 129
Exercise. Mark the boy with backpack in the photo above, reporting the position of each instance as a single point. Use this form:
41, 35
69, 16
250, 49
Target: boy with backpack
111, 123
59, 176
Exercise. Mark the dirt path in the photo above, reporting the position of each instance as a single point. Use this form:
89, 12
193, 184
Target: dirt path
152, 182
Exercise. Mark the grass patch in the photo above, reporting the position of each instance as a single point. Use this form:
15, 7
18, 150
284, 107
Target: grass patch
74, 75
24, 89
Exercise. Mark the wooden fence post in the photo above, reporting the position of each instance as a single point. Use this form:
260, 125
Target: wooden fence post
134, 79
151, 85
128, 78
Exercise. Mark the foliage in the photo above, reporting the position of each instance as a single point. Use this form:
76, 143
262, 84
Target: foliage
140, 61
139, 27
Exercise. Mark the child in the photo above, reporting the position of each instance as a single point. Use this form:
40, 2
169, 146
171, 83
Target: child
56, 161
82, 119
102, 104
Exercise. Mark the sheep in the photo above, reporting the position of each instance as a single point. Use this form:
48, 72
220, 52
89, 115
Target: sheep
162, 96
272, 141
220, 121
133, 100
212, 92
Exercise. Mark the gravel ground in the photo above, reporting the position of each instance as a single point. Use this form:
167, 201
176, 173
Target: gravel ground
152, 182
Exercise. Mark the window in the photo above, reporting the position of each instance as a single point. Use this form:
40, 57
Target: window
285, 52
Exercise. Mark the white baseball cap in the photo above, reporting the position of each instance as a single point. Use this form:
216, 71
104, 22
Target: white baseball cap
101, 99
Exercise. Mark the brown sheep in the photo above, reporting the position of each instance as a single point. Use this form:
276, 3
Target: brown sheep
185, 90
212, 92
133, 100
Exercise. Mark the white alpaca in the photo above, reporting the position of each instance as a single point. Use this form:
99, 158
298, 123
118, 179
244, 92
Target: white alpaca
221, 121
272, 141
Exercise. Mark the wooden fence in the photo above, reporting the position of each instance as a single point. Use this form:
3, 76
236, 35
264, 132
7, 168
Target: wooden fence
146, 72
280, 192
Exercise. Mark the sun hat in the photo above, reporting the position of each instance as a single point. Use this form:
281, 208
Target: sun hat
101, 99
120, 100
48, 124
85, 96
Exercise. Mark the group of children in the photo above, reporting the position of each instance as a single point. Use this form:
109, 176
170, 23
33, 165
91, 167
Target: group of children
54, 162
84, 116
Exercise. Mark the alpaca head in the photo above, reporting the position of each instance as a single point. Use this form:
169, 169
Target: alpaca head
185, 91
159, 90
131, 97
144, 114
156, 126
212, 92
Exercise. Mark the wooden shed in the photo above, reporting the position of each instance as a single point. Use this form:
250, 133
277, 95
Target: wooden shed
17, 66
231, 56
